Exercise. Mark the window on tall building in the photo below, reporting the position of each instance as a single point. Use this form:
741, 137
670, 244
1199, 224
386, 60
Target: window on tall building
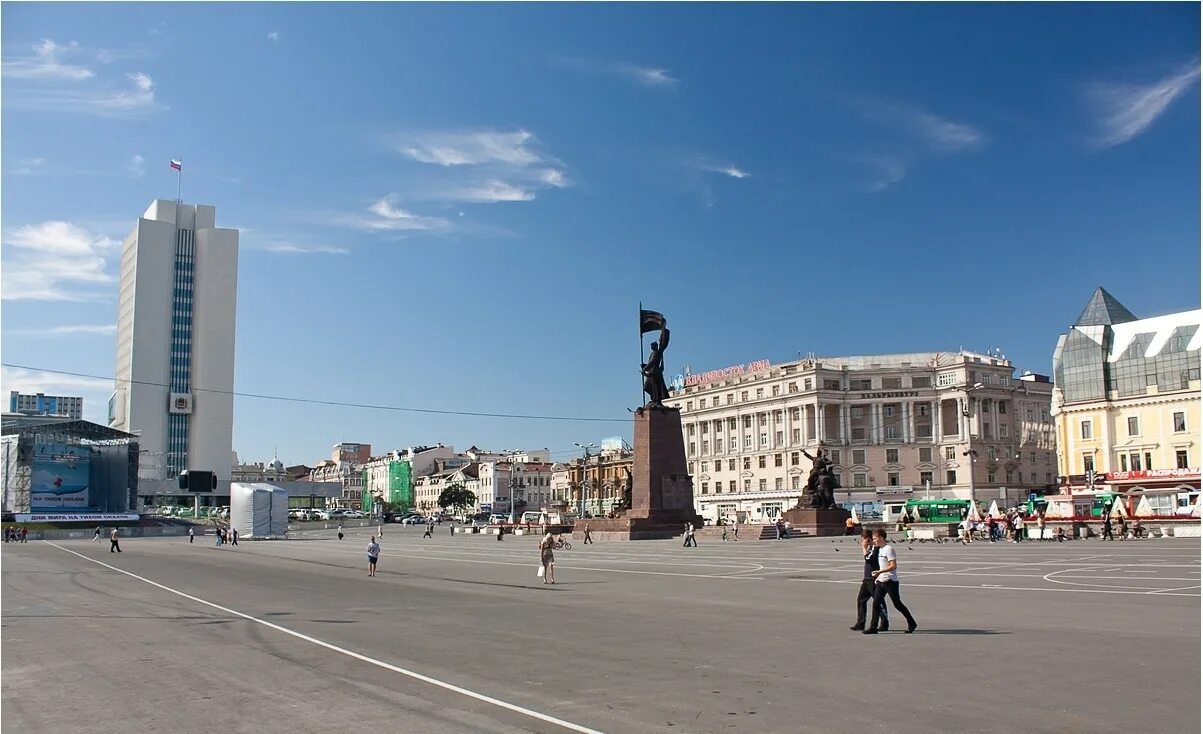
1087, 429
705, 488
747, 421
1123, 462
760, 392
747, 485
1002, 407
925, 454
1179, 422
831, 384
1003, 430
693, 448
835, 457
1181, 459
950, 452
764, 440
921, 381
925, 478
795, 435
891, 383
990, 452
762, 418
891, 456
990, 477
778, 483
761, 462
762, 484
795, 482
807, 383
1133, 425
793, 387
1087, 463
730, 398
730, 464
950, 476
743, 396
860, 480
887, 411
892, 479
986, 431
705, 428
688, 405
1148, 461
778, 459
776, 390
858, 456
794, 458
779, 438
1031, 414
701, 403
705, 447
747, 463
945, 379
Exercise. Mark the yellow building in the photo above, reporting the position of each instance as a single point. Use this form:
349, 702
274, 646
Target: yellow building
1126, 401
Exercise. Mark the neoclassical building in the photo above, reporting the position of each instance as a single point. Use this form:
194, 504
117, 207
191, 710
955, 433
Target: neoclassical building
930, 424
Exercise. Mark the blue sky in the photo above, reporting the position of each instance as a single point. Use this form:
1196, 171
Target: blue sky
460, 207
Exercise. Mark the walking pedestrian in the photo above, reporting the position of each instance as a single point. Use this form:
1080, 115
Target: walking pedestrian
777, 527
735, 529
191, 535
690, 538
233, 535
724, 533
867, 587
547, 558
453, 530
96, 537
1019, 522
373, 555
886, 580
588, 535
429, 530
24, 535
219, 535
340, 531
1040, 527
114, 546
1107, 524
1123, 529
380, 532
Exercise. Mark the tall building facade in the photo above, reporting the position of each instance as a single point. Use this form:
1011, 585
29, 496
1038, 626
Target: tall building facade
931, 424
49, 405
1127, 397
175, 340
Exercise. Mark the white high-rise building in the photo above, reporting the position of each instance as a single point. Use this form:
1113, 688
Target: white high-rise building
175, 340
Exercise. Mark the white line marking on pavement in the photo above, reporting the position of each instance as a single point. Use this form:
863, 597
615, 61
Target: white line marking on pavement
1166, 591
379, 663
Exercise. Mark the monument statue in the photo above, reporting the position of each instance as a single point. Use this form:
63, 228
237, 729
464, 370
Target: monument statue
821, 484
626, 488
653, 368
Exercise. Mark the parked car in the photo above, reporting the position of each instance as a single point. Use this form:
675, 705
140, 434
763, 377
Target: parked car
414, 520
496, 519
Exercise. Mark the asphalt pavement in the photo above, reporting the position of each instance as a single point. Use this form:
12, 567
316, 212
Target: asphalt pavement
457, 634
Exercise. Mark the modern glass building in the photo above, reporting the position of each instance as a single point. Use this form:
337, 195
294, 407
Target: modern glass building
1127, 395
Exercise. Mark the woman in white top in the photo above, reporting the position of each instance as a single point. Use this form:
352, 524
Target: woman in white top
548, 558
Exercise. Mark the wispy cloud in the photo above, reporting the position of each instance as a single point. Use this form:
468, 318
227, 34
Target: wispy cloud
389, 217
137, 166
727, 170
646, 76
55, 261
1127, 110
490, 192
887, 171
68, 330
46, 63
472, 148
136, 98
29, 166
288, 248
273, 36
936, 133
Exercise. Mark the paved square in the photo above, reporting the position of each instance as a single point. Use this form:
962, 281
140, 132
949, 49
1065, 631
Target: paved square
456, 634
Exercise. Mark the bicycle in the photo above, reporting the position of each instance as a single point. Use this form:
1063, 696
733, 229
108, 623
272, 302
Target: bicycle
563, 545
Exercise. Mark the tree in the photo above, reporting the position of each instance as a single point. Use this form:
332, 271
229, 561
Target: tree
457, 497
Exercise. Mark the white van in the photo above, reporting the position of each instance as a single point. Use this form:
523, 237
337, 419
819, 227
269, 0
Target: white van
498, 519
534, 518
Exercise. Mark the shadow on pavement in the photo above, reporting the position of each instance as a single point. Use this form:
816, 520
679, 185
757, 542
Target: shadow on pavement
960, 632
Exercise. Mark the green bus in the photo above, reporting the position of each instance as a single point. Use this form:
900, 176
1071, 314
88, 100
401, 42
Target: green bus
937, 510
1098, 502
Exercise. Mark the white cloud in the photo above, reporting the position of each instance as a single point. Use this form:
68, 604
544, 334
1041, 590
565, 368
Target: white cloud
647, 76
136, 99
732, 171
472, 148
1127, 110
29, 166
55, 261
391, 218
137, 166
938, 134
888, 170
287, 248
554, 177
273, 36
45, 63
69, 330
492, 191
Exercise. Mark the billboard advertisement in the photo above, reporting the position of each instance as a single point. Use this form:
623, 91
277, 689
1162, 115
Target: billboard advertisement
60, 477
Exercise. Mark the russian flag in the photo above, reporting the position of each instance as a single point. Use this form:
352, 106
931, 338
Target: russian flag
177, 165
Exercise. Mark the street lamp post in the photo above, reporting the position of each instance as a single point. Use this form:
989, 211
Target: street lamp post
584, 473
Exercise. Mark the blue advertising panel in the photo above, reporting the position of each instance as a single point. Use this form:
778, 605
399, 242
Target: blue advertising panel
60, 477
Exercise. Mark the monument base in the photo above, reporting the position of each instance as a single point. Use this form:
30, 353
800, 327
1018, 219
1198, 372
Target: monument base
662, 525
819, 522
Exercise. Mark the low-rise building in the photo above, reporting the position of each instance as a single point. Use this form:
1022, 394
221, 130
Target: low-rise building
47, 405
931, 424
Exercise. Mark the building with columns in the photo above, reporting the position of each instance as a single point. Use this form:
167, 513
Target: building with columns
930, 424
1127, 399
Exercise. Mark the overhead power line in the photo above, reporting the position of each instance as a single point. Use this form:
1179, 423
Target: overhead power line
334, 403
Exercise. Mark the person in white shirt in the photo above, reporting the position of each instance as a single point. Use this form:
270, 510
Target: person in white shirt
886, 578
373, 556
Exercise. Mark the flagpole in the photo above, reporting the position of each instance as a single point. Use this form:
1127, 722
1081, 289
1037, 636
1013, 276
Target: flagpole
640, 352
179, 181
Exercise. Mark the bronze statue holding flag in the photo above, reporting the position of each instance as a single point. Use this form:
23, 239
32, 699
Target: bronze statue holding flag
653, 368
